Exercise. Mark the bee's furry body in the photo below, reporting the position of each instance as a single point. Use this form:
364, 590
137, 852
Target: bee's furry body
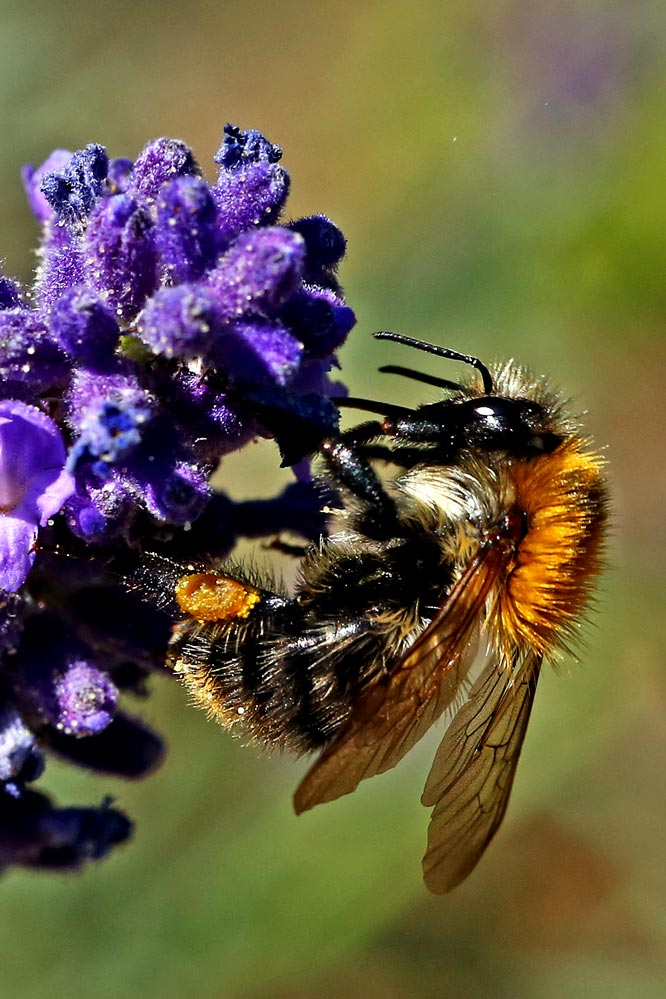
290, 674
441, 588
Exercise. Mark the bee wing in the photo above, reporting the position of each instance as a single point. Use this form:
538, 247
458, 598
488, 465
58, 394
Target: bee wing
473, 770
393, 714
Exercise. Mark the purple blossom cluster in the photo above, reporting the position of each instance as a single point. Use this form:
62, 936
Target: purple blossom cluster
172, 320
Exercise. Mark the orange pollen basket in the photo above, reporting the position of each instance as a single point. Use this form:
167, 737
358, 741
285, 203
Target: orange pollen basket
205, 596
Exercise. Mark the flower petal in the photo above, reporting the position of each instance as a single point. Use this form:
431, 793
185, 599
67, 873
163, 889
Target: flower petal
17, 539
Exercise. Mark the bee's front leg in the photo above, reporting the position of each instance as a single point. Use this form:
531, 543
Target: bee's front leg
351, 471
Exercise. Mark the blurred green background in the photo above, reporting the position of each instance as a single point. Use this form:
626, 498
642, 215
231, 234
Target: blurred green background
499, 170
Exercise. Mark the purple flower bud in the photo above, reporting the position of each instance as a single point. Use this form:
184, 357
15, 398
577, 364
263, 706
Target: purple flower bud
84, 700
120, 258
33, 485
110, 413
84, 327
231, 425
32, 181
319, 318
120, 384
324, 242
119, 178
179, 322
100, 513
251, 188
173, 493
240, 148
20, 759
216, 420
60, 266
160, 161
186, 233
10, 295
73, 191
259, 272
29, 359
256, 351
56, 681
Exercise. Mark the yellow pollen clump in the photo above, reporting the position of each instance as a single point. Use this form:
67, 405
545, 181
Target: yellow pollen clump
206, 596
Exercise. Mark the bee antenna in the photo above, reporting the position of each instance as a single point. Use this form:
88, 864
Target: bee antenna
419, 376
452, 355
370, 406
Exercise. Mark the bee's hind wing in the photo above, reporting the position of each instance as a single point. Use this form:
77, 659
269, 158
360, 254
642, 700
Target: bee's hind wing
473, 770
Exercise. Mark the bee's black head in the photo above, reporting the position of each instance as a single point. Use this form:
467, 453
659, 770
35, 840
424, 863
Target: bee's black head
520, 427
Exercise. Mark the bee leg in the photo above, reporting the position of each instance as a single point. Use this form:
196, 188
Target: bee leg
413, 440
407, 427
363, 432
350, 470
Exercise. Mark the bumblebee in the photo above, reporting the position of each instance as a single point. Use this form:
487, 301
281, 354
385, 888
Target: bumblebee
463, 554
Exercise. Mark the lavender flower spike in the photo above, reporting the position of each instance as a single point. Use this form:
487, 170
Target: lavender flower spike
33, 485
173, 319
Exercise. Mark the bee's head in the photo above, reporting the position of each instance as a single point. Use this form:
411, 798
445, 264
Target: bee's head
521, 427
502, 418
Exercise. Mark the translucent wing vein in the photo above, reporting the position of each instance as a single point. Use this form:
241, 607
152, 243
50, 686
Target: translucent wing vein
472, 773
